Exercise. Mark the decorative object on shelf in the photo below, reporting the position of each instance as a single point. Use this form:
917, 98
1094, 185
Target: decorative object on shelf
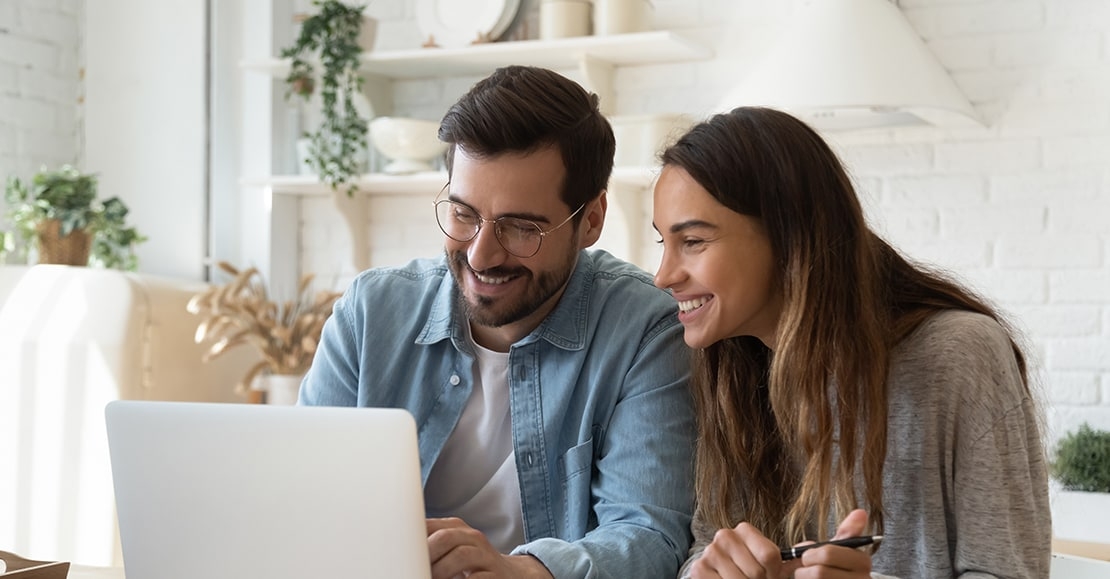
241, 312
620, 16
411, 144
1081, 464
332, 36
564, 18
58, 213
458, 23
640, 138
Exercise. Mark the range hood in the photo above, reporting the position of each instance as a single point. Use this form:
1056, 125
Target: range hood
854, 64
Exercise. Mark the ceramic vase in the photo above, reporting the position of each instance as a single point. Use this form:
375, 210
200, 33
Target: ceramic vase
280, 389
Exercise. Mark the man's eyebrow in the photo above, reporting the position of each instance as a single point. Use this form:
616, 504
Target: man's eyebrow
526, 216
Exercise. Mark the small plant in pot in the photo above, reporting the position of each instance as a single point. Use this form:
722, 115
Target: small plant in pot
330, 38
58, 213
1081, 464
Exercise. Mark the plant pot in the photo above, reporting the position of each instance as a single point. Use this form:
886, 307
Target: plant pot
1081, 516
72, 249
280, 389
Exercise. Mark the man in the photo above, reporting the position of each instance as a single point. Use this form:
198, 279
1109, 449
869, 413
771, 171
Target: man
548, 383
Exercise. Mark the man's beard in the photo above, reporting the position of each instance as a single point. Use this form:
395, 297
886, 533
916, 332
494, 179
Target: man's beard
489, 312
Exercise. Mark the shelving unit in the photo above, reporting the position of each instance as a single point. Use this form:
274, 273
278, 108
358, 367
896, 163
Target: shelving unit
596, 58
654, 47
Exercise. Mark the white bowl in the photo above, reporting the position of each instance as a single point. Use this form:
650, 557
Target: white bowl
410, 144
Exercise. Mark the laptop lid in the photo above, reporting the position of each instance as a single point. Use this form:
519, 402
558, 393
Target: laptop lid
226, 491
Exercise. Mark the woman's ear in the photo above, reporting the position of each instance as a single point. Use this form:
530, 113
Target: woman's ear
593, 221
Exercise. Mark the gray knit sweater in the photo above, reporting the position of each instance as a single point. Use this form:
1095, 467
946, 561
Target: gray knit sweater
965, 489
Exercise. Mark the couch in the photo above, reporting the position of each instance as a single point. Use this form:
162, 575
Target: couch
71, 340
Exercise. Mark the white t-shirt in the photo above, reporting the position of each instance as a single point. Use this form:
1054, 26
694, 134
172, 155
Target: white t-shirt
475, 476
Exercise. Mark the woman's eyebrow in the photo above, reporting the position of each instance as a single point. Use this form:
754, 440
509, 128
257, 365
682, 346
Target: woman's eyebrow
691, 224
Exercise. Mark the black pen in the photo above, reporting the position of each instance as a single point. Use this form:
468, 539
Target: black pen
853, 542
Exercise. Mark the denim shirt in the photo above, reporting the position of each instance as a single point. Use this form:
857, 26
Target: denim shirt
602, 422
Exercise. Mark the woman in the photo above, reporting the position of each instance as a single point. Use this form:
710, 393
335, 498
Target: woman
841, 390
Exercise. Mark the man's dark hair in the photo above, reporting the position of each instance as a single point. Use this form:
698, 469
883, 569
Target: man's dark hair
521, 109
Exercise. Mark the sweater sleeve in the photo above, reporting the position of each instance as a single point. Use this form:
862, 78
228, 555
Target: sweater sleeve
703, 535
965, 483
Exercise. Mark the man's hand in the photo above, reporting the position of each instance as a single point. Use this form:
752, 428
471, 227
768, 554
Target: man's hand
457, 550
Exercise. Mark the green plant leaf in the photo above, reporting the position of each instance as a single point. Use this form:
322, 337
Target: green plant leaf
69, 196
330, 38
1082, 460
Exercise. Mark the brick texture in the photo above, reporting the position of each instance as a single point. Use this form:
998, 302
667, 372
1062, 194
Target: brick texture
39, 86
1019, 207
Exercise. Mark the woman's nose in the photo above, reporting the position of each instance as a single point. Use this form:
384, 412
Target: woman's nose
664, 276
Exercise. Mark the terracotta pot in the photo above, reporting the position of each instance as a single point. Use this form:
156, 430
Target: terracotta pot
73, 249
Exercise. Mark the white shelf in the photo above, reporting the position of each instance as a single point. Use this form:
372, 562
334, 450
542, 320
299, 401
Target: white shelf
369, 184
595, 57
428, 183
655, 47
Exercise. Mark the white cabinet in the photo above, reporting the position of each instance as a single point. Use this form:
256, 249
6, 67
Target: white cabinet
595, 57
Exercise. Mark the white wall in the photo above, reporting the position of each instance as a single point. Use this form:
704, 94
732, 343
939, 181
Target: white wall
1020, 209
40, 89
146, 126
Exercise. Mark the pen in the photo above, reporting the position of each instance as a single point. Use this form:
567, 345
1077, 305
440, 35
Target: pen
795, 552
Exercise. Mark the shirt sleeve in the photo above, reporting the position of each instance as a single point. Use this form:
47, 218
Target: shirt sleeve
333, 378
642, 490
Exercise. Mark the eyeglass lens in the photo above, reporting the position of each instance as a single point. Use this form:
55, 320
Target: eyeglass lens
519, 237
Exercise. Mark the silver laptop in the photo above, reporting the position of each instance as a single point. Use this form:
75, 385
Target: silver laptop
243, 491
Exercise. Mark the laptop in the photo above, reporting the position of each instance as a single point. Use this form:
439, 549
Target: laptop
241, 491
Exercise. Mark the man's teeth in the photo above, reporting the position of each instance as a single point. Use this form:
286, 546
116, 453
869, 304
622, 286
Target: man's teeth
691, 305
491, 280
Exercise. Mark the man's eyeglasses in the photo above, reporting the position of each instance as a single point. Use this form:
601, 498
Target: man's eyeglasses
519, 237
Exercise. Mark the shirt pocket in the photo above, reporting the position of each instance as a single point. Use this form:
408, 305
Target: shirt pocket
578, 459
577, 464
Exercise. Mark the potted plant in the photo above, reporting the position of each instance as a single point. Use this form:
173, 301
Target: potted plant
1081, 464
331, 38
58, 213
241, 312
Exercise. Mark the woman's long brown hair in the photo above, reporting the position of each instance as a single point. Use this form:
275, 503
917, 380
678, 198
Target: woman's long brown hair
783, 434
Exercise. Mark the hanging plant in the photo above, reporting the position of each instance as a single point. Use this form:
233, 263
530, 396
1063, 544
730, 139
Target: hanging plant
330, 38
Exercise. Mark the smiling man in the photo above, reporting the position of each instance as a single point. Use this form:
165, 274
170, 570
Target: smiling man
548, 381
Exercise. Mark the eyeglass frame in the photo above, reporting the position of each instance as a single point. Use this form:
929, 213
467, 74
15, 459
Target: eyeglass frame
496, 228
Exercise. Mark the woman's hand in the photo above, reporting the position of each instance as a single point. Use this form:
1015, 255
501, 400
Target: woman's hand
835, 561
742, 553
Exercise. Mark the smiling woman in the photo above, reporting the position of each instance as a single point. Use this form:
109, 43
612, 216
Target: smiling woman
853, 371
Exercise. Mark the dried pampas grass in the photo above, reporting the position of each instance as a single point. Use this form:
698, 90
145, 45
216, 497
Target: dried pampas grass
241, 312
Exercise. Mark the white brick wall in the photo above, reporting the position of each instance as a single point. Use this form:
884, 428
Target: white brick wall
1020, 208
39, 86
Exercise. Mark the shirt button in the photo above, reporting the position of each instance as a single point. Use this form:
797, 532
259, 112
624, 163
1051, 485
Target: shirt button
528, 458
454, 380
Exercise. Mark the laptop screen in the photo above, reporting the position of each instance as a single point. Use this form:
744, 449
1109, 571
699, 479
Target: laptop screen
240, 490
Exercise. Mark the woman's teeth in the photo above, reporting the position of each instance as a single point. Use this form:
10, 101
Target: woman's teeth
691, 305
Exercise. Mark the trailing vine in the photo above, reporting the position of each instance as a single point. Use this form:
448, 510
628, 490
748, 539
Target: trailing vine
330, 37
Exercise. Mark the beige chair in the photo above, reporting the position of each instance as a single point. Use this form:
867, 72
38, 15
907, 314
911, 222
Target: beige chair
71, 340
